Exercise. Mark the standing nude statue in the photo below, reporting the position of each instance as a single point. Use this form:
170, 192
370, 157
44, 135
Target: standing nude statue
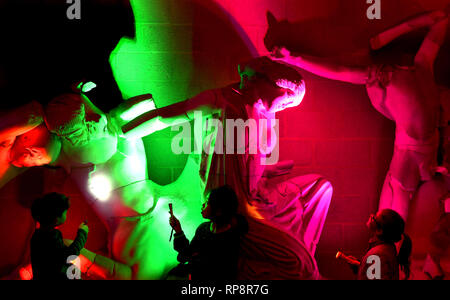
406, 94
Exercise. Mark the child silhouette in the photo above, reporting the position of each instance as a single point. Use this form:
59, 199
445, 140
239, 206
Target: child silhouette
48, 253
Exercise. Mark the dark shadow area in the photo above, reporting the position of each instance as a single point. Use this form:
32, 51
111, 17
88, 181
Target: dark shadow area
42, 54
43, 51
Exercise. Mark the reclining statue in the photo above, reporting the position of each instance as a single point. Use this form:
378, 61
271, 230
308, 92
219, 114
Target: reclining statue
98, 149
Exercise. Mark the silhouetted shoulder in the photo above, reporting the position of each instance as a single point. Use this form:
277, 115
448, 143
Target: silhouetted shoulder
241, 224
204, 227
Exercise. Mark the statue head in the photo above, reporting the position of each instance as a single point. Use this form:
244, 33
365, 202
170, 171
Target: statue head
271, 85
37, 147
65, 116
84, 131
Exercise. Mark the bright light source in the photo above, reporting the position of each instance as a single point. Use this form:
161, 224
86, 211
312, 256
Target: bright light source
100, 186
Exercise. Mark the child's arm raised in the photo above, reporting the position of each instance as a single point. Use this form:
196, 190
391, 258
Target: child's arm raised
79, 242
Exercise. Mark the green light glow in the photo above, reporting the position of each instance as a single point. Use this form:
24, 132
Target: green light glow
137, 110
160, 61
147, 128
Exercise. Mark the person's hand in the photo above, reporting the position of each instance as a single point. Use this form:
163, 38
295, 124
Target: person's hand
442, 170
175, 224
280, 53
375, 43
440, 15
83, 86
84, 227
352, 257
354, 268
88, 86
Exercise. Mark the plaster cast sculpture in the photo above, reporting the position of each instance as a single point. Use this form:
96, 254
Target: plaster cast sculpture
295, 208
105, 150
406, 94
111, 173
91, 146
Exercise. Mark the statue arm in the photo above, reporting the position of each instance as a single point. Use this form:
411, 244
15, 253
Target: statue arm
14, 123
324, 68
431, 45
424, 20
20, 120
76, 246
181, 112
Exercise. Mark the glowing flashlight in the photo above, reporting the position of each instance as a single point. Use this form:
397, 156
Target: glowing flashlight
100, 186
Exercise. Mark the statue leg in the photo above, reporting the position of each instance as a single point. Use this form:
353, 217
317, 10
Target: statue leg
97, 266
316, 202
395, 196
413, 162
300, 206
439, 244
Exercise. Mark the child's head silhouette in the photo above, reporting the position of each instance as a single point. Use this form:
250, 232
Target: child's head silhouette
222, 205
388, 225
51, 209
